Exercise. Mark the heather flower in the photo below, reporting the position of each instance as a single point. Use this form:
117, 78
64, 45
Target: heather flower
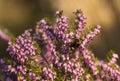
61, 28
48, 74
112, 73
89, 36
8, 69
3, 35
33, 76
43, 28
113, 60
47, 36
21, 69
80, 22
22, 48
55, 53
89, 61
74, 68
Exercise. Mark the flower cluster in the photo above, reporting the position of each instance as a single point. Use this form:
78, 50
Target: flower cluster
74, 68
60, 29
61, 26
33, 76
114, 58
89, 61
48, 74
52, 52
90, 36
22, 48
80, 21
110, 73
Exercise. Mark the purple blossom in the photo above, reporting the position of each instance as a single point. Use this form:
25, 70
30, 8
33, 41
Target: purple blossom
66, 57
113, 60
48, 74
113, 73
33, 76
8, 69
22, 48
74, 68
88, 60
80, 21
4, 36
21, 69
61, 28
49, 52
46, 29
90, 36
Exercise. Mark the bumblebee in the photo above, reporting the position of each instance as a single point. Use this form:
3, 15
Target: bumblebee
75, 44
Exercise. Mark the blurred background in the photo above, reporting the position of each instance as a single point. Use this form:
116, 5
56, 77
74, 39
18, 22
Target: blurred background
18, 15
